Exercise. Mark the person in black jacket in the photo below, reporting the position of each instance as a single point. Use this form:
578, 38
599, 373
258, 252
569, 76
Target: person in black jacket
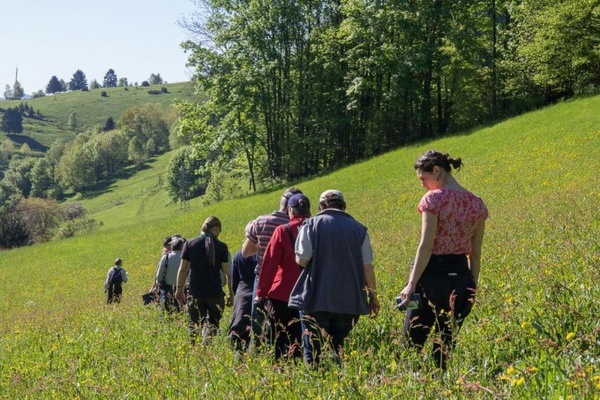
203, 258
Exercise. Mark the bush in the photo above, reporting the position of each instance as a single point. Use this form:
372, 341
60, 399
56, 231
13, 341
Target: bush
79, 225
164, 90
73, 210
103, 94
154, 91
145, 83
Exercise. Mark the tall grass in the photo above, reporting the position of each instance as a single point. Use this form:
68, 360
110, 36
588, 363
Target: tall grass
534, 332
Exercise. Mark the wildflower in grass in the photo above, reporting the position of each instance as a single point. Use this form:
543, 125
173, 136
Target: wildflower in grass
510, 370
519, 381
570, 335
524, 324
532, 369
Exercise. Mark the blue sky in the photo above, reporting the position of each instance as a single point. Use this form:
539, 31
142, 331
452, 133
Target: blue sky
133, 37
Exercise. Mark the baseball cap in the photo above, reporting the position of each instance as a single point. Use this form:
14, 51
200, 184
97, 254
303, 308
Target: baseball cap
331, 194
294, 201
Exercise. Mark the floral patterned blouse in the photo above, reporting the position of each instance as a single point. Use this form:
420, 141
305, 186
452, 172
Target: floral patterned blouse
459, 213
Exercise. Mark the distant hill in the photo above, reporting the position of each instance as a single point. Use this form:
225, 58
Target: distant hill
91, 108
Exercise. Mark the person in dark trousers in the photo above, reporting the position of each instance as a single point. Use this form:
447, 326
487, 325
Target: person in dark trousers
278, 276
258, 234
203, 258
447, 263
113, 285
341, 273
242, 284
166, 276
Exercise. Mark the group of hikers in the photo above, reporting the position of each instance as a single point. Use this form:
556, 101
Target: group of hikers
300, 282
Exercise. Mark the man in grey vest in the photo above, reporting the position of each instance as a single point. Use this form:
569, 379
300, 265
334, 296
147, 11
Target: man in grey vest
338, 283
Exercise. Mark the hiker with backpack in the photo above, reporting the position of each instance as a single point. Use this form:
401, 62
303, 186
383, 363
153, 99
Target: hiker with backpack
115, 278
166, 275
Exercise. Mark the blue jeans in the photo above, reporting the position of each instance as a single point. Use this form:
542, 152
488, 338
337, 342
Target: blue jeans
322, 326
167, 299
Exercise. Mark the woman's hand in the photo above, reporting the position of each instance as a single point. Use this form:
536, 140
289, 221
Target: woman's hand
408, 290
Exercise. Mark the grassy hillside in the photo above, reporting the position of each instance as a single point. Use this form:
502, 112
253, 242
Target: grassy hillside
534, 332
90, 109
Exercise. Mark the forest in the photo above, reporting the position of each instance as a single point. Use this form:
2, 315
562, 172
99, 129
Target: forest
297, 87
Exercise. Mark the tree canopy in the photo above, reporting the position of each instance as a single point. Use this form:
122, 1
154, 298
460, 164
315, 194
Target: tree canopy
79, 81
299, 87
53, 85
110, 79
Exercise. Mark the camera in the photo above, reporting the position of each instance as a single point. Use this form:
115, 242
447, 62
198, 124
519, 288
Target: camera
413, 303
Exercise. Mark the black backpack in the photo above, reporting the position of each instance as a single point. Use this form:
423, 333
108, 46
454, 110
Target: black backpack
116, 278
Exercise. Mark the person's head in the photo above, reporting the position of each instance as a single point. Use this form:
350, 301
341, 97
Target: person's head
118, 262
299, 205
332, 199
177, 244
212, 225
283, 203
433, 168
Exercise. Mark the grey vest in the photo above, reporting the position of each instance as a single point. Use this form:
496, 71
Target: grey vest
337, 264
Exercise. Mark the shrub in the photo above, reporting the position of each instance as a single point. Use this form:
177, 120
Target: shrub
145, 83
103, 94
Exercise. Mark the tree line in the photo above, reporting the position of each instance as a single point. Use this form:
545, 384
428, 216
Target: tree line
298, 87
78, 82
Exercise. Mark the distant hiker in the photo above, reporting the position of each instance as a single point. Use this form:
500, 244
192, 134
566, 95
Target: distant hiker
258, 234
115, 277
448, 258
166, 275
202, 258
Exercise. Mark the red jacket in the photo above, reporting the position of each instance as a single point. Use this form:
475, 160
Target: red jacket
279, 271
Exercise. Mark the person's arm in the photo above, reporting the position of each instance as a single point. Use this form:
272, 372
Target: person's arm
124, 276
249, 248
475, 255
235, 275
429, 223
372, 289
106, 282
225, 269
182, 273
303, 247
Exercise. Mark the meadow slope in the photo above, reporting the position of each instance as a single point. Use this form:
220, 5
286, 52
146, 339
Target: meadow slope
534, 332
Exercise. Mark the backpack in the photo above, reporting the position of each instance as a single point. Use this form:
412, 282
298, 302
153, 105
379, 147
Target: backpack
116, 278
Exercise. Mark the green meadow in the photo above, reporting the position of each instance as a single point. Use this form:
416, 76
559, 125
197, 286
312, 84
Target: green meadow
534, 331
91, 109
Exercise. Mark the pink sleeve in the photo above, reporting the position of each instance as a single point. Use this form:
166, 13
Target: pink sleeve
429, 202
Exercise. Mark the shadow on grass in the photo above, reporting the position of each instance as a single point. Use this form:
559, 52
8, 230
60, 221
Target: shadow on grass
104, 186
32, 143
